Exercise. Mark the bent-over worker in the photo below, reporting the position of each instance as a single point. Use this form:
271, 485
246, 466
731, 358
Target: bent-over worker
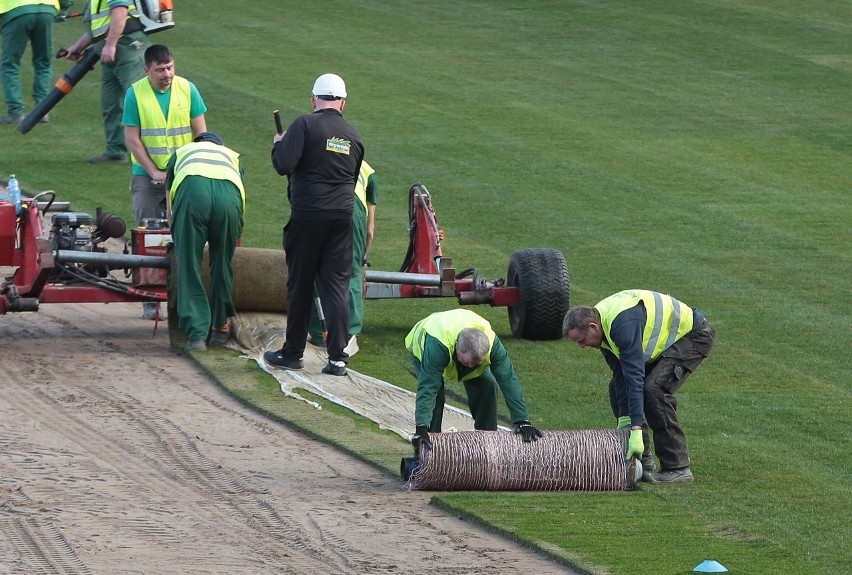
652, 342
207, 199
459, 345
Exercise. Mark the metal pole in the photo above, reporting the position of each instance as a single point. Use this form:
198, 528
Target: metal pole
404, 278
113, 260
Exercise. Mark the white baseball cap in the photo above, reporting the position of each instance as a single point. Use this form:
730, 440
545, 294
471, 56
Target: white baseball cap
329, 85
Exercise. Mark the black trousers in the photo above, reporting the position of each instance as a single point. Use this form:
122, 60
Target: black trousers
662, 381
321, 251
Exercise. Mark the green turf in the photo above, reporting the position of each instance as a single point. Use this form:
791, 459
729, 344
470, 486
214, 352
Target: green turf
698, 148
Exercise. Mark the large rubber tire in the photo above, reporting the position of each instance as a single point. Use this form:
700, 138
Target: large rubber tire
541, 275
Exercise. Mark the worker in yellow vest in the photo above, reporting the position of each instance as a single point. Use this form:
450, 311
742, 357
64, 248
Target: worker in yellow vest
116, 33
459, 345
23, 21
652, 342
207, 200
162, 112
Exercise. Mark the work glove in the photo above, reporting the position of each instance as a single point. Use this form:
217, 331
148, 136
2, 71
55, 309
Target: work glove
623, 421
635, 445
420, 439
527, 431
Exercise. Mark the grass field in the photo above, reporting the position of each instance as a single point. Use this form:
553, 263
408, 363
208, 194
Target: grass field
699, 148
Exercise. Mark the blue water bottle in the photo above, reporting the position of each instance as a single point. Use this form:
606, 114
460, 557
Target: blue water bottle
14, 190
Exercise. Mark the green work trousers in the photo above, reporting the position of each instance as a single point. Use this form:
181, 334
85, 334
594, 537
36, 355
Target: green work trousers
117, 78
205, 211
37, 29
356, 284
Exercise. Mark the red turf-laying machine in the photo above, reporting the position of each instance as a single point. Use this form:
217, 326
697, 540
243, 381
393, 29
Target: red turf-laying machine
68, 263
65, 262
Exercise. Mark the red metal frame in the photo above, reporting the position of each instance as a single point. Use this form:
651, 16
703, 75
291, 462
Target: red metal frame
24, 246
426, 257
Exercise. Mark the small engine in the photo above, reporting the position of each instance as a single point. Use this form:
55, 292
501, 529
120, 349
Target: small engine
72, 231
78, 231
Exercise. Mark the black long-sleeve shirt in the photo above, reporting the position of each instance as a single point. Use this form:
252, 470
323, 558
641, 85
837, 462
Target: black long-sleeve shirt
321, 154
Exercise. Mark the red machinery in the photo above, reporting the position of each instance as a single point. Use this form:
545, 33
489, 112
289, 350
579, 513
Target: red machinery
69, 264
536, 289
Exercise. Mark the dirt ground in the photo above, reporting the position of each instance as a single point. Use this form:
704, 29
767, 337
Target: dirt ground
119, 455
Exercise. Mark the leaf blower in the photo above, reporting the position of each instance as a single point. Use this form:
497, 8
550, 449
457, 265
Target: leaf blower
62, 87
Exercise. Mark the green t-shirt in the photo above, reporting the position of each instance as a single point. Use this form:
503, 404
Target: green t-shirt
131, 112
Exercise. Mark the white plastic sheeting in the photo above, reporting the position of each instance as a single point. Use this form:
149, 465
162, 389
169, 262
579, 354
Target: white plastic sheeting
389, 406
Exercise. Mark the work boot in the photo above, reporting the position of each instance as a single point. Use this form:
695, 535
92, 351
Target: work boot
682, 475
108, 158
195, 345
648, 467
335, 368
218, 337
275, 359
10, 119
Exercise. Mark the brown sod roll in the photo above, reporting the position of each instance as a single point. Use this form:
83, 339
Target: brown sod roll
576, 460
260, 279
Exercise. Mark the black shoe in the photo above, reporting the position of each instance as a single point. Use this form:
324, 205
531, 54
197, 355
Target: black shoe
275, 359
333, 369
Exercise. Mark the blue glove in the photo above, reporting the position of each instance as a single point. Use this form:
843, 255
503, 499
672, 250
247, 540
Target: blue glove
527, 431
623, 421
635, 445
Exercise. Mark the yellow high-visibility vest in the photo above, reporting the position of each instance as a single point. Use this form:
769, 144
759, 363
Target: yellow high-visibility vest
361, 184
209, 160
9, 5
445, 327
668, 320
161, 136
99, 12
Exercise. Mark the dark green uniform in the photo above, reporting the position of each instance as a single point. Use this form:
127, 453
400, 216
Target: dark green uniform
22, 22
432, 343
204, 210
118, 76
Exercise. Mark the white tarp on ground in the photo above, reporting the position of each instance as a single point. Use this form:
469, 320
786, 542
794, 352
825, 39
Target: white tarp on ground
389, 406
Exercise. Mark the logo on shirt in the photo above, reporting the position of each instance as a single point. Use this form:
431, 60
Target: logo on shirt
338, 145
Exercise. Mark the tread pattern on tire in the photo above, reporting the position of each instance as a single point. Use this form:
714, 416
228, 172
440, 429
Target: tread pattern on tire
541, 274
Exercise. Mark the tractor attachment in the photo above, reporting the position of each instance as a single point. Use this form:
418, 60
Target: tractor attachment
536, 290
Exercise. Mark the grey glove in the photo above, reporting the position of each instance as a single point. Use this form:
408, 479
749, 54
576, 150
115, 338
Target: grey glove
527, 431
